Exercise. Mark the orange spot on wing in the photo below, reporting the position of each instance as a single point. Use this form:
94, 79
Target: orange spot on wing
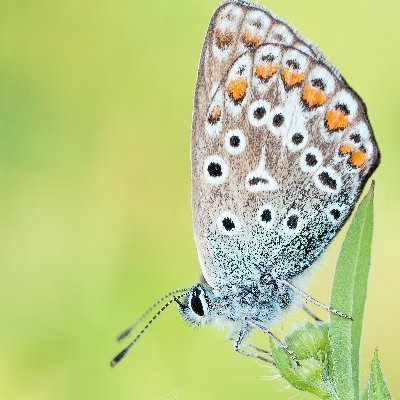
249, 39
336, 119
358, 158
237, 88
313, 96
266, 71
215, 115
345, 148
223, 38
291, 77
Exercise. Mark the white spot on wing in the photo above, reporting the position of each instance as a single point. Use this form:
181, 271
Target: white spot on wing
335, 213
308, 155
265, 208
215, 163
276, 115
228, 224
240, 69
211, 128
325, 76
280, 34
235, 141
227, 22
288, 223
266, 56
327, 180
345, 98
255, 25
295, 55
258, 105
294, 141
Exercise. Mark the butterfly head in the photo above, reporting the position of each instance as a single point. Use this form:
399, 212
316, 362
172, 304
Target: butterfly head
198, 305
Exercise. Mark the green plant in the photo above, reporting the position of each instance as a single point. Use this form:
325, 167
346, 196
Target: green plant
329, 353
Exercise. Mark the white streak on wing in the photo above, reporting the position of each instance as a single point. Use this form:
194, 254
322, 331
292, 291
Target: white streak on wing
261, 173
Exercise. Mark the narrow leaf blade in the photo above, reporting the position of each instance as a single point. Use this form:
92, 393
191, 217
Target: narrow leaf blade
348, 295
377, 388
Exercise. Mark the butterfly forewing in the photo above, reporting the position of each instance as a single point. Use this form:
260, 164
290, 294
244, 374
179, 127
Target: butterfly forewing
281, 149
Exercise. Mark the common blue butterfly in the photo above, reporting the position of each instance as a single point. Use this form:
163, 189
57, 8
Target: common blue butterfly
281, 150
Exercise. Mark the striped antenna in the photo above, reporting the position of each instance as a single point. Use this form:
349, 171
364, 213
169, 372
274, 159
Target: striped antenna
123, 353
127, 331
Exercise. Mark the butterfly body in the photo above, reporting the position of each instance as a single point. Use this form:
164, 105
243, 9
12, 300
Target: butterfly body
261, 300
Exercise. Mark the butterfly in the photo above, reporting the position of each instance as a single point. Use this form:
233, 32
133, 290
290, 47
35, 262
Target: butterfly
281, 149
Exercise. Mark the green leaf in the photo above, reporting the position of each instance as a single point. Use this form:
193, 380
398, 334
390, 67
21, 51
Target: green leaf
348, 295
377, 388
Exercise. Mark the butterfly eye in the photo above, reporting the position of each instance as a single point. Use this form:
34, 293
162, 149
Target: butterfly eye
228, 224
196, 303
235, 141
266, 216
215, 170
310, 159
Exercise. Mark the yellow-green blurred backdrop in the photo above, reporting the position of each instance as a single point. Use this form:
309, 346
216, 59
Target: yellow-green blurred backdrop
95, 220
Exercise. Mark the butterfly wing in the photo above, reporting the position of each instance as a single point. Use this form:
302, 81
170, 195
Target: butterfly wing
281, 149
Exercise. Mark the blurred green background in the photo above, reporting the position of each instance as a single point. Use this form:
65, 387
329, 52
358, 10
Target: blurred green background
95, 113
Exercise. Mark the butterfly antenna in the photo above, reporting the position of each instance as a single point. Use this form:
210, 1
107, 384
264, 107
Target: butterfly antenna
128, 330
318, 303
123, 353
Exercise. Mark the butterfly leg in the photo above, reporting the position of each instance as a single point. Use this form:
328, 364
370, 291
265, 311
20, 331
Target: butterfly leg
311, 314
267, 331
238, 342
318, 303
232, 335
